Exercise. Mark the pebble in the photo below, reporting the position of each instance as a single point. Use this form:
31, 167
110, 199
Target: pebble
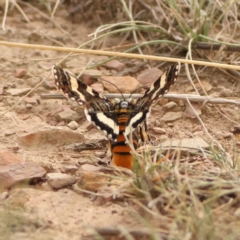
7, 158
224, 92
88, 79
206, 85
73, 125
159, 130
71, 169
69, 115
219, 135
100, 154
18, 91
195, 142
45, 65
59, 180
97, 87
45, 139
31, 100
9, 133
19, 172
29, 106
126, 84
193, 111
171, 116
115, 65
4, 195
93, 72
228, 135
169, 105
20, 72
149, 76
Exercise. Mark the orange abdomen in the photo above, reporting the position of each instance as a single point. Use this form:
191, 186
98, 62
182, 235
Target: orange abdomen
121, 153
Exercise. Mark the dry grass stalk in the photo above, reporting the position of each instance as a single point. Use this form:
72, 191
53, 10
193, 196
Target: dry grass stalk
118, 54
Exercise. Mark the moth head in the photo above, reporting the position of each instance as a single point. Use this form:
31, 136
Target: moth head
124, 104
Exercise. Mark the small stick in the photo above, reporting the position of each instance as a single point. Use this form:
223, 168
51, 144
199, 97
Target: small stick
190, 97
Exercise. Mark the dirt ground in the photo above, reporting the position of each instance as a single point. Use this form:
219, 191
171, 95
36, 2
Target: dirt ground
64, 214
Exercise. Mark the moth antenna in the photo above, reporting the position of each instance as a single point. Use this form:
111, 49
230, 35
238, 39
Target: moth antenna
115, 87
146, 87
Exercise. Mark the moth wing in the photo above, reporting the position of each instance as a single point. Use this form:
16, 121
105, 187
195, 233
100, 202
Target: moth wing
161, 86
98, 109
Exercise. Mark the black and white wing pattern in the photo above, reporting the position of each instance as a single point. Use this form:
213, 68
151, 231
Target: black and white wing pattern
143, 105
98, 109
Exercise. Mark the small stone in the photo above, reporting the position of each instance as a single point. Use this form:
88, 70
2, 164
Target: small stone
206, 85
171, 116
237, 213
228, 135
43, 140
90, 168
7, 158
29, 106
69, 115
19, 172
87, 126
59, 180
18, 91
169, 105
193, 110
7, 134
218, 134
225, 92
99, 154
71, 169
115, 65
45, 65
4, 196
125, 84
149, 76
188, 143
73, 125
20, 72
93, 72
159, 130
88, 79
50, 84
198, 134
31, 100
97, 87
46, 187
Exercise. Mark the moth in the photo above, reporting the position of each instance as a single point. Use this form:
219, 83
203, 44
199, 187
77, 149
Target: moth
119, 117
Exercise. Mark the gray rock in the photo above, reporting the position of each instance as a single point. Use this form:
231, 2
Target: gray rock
59, 180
